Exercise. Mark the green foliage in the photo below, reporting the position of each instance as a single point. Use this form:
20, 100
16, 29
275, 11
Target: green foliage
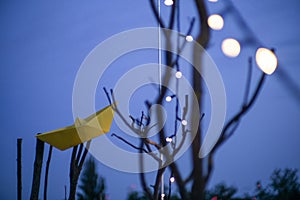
92, 187
284, 186
134, 195
221, 191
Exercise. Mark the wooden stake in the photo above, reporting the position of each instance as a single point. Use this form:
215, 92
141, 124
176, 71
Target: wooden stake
39, 154
47, 171
19, 167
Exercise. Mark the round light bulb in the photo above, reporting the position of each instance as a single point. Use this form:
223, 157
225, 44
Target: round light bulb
178, 74
172, 179
215, 22
184, 122
168, 98
213, 1
266, 60
231, 47
168, 2
189, 38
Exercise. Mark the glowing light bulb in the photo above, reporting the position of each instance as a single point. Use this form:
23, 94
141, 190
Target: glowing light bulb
214, 1
168, 139
215, 22
231, 47
189, 38
168, 2
172, 179
266, 60
163, 195
178, 74
184, 122
168, 98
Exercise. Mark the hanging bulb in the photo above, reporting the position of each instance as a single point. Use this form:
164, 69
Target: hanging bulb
266, 60
215, 22
184, 122
231, 47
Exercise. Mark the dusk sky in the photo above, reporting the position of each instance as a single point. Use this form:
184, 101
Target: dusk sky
44, 43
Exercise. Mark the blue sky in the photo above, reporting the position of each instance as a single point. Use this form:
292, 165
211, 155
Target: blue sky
44, 44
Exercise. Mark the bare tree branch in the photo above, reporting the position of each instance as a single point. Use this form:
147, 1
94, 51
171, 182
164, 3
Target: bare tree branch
125, 141
142, 174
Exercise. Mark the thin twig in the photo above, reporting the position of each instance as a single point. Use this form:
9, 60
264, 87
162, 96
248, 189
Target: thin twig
125, 141
239, 115
156, 14
248, 81
172, 16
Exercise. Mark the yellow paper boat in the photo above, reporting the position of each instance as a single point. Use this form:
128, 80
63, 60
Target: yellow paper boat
83, 130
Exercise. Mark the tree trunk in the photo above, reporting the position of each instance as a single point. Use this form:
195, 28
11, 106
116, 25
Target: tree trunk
198, 185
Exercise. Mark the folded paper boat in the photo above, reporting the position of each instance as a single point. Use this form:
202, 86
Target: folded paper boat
83, 130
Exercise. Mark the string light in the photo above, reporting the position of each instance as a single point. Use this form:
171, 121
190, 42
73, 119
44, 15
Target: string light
168, 98
172, 179
168, 2
168, 139
214, 1
231, 47
189, 38
184, 122
178, 74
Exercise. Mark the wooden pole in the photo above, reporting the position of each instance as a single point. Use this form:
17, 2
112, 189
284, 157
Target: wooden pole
39, 154
19, 168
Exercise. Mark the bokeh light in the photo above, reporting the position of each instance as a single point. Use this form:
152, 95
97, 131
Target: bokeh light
215, 22
231, 47
266, 60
